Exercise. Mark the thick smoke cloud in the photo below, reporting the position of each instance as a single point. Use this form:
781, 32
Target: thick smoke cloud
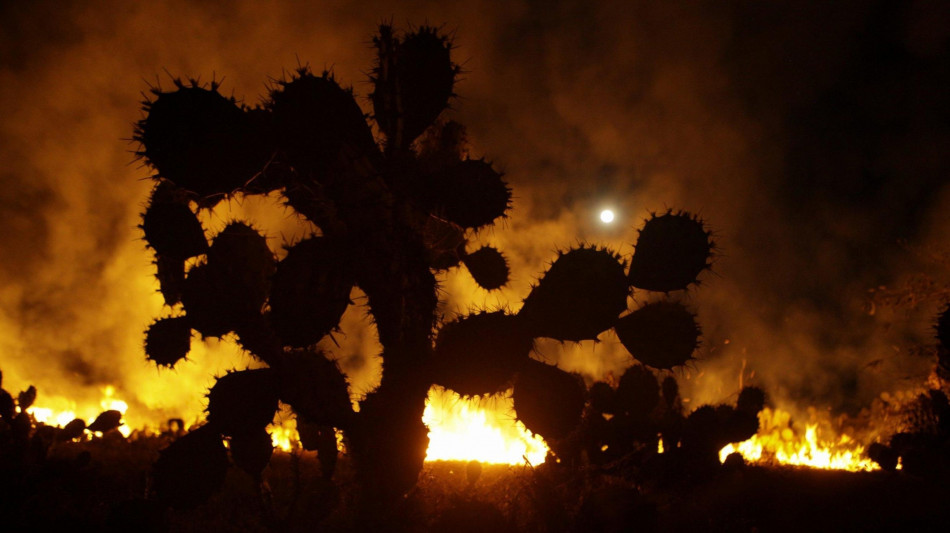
811, 137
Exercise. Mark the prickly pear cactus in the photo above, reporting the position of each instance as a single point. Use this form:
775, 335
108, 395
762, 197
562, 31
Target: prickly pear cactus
392, 211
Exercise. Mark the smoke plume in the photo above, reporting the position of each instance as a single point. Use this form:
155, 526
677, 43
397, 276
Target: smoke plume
811, 137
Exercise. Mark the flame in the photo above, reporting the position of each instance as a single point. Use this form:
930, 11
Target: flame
61, 411
778, 442
480, 429
284, 435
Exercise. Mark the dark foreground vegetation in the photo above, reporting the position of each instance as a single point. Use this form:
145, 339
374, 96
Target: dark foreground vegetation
99, 485
91, 477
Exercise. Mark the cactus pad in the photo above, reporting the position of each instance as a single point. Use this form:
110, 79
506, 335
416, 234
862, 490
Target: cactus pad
106, 421
579, 297
413, 82
252, 451
207, 311
200, 140
240, 257
671, 250
315, 387
660, 334
190, 469
548, 400
243, 402
479, 354
638, 392
470, 193
171, 228
488, 266
314, 119
310, 292
170, 273
230, 289
168, 340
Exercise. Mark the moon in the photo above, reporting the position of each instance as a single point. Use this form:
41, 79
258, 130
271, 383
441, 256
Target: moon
607, 216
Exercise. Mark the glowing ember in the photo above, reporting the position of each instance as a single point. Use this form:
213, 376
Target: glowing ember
777, 442
480, 429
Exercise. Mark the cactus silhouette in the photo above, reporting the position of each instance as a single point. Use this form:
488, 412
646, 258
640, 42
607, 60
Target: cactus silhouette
392, 211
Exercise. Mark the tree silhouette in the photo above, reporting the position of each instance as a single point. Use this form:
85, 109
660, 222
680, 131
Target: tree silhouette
392, 212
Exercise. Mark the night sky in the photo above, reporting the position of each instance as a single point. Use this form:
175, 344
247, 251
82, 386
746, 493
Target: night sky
812, 137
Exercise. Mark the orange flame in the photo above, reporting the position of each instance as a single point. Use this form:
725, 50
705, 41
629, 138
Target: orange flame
778, 442
62, 412
480, 429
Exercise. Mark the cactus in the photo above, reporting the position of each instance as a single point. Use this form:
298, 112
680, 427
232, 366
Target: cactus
671, 251
480, 353
200, 140
191, 469
168, 340
548, 400
392, 213
661, 334
488, 266
579, 297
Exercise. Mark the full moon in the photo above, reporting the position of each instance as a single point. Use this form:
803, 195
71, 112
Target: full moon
606, 216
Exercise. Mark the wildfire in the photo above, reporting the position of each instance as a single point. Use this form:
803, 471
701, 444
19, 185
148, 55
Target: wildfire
462, 429
65, 411
778, 442
484, 429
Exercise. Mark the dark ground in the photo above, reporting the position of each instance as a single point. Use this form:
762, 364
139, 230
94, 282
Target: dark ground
101, 485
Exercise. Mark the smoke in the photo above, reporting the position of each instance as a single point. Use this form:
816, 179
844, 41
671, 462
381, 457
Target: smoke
811, 138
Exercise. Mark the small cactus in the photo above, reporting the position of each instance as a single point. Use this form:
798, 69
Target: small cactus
106, 421
26, 398
73, 430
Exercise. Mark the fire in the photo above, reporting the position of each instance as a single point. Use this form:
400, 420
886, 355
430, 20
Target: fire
62, 412
460, 429
480, 429
284, 435
778, 442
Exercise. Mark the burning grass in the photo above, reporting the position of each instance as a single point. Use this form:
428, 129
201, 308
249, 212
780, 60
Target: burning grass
788, 478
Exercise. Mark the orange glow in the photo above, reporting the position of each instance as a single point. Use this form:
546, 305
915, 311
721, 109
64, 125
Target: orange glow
778, 443
284, 435
60, 412
480, 429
